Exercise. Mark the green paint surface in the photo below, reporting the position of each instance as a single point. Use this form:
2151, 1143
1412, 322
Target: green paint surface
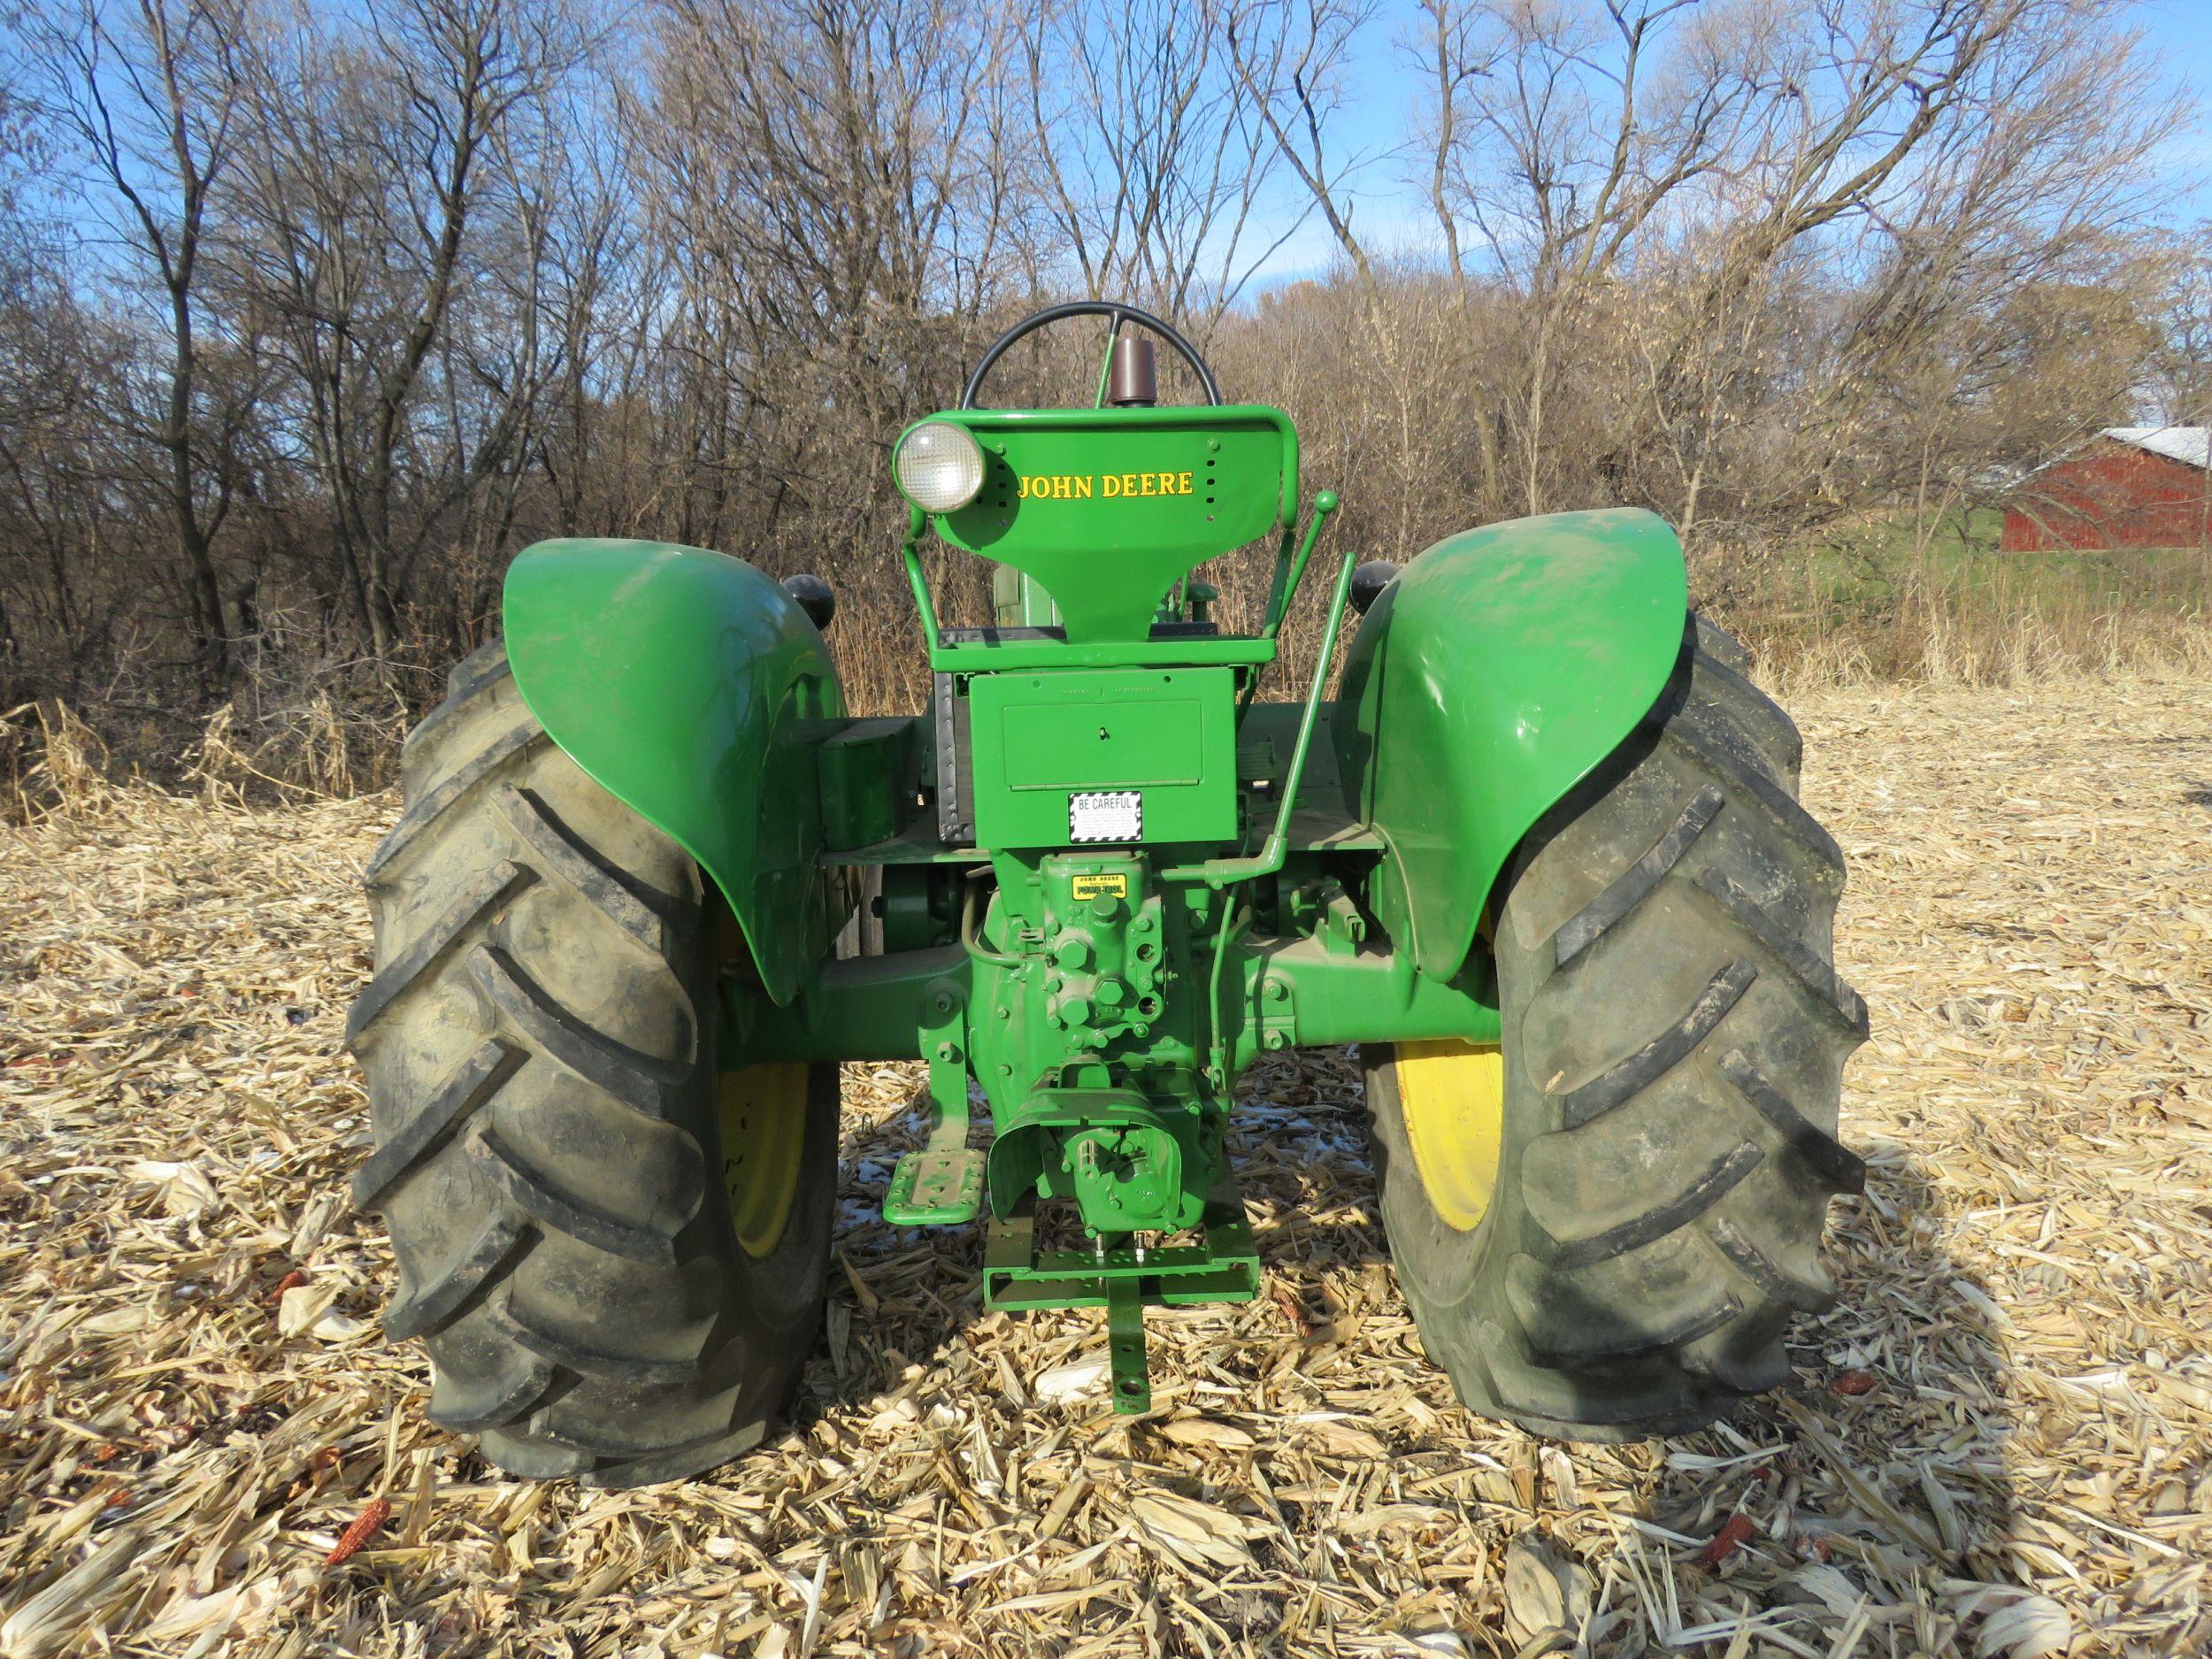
1120, 503
677, 679
1501, 666
1169, 734
1104, 1008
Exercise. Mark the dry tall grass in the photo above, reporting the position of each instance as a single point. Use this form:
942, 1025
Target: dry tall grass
1963, 613
320, 747
52, 762
1942, 643
1996, 1445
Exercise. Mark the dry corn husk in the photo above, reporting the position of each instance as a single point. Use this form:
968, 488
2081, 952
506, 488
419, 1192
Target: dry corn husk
49, 1621
2012, 1459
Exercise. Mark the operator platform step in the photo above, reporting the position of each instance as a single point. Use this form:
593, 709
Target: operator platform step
935, 1189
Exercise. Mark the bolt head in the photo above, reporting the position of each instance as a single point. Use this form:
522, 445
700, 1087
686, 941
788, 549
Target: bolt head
1278, 991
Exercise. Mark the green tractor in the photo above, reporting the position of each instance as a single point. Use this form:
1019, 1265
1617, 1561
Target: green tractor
1541, 858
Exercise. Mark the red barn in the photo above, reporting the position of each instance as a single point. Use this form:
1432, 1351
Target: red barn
2131, 487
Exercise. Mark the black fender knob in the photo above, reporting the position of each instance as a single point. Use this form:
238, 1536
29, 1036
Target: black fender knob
1370, 578
814, 596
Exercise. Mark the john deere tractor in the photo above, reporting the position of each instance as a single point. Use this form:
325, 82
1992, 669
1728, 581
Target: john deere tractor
1540, 857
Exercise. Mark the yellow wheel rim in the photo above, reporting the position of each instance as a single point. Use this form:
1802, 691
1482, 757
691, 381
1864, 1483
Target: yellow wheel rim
764, 1139
1452, 1096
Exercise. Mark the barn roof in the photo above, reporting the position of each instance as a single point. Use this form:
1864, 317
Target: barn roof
2186, 444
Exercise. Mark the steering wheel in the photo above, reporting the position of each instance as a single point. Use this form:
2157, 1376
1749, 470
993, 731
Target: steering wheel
1119, 312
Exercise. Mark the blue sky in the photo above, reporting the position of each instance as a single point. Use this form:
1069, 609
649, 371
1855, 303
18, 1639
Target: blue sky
1382, 101
2181, 32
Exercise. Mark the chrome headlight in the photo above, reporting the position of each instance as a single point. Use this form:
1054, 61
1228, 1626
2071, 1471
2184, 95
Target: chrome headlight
938, 466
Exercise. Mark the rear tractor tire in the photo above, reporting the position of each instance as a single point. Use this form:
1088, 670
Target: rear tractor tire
1603, 1226
615, 1254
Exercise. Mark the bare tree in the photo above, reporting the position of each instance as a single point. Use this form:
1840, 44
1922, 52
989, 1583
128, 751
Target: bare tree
1598, 155
834, 192
2184, 379
1155, 159
147, 98
1291, 57
308, 317
378, 173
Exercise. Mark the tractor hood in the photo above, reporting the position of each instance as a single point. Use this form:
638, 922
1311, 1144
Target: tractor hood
1106, 509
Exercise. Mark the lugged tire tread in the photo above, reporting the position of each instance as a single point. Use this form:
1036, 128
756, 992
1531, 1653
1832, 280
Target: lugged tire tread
545, 1425
1624, 1081
1766, 1366
1817, 978
1660, 1219
469, 676
487, 893
1590, 924
537, 1196
620, 1071
515, 1449
1718, 645
502, 1399
628, 1334
423, 815
1656, 1323
433, 1305
647, 916
1768, 1276
1762, 723
676, 1462
464, 1089
1843, 1170
1747, 782
481, 668
1601, 1345
551, 1346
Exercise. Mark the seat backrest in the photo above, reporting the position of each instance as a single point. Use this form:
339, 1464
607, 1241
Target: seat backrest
1106, 508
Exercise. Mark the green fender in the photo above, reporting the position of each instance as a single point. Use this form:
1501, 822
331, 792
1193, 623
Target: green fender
1499, 668
678, 680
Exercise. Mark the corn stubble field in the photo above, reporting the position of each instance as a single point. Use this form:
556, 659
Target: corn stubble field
1996, 1444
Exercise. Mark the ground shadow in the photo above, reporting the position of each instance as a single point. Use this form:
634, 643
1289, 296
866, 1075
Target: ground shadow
1879, 1474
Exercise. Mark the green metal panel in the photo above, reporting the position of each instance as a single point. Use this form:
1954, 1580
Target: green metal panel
1107, 508
678, 681
1169, 734
1004, 656
1499, 667
869, 770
